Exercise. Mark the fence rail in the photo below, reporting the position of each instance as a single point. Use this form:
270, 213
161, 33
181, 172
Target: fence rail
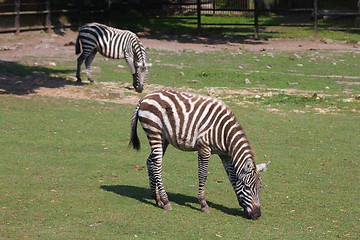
44, 13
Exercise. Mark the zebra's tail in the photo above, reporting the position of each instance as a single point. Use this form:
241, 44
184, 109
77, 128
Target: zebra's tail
134, 139
77, 46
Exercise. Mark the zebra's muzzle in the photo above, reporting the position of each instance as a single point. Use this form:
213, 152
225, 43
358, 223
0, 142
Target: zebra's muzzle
255, 213
136, 84
139, 88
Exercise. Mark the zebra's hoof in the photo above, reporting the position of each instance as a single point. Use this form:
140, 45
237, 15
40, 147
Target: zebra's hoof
160, 203
205, 209
167, 207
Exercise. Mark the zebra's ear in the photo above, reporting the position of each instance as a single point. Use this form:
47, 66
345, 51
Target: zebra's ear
262, 167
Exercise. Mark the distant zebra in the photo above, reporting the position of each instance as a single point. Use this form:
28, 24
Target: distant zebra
192, 122
111, 43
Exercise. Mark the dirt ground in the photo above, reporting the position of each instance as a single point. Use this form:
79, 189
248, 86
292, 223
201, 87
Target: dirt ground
35, 44
14, 48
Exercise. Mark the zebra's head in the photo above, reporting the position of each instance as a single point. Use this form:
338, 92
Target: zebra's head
139, 77
248, 186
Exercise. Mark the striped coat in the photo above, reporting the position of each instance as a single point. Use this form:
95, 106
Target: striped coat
193, 122
112, 43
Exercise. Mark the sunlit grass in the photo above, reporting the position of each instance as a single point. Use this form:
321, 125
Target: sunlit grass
66, 170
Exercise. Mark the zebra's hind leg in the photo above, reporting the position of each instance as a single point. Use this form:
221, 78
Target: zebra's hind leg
88, 62
80, 61
203, 162
153, 188
155, 171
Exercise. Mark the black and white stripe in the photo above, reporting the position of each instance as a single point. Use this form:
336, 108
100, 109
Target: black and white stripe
192, 122
111, 43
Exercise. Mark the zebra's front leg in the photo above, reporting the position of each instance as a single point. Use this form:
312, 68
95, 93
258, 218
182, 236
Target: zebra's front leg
130, 61
203, 163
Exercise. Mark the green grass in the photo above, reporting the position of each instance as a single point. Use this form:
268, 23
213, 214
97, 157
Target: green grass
66, 171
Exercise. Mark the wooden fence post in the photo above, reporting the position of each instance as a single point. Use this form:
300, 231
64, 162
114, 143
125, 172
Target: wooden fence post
143, 14
108, 12
315, 18
17, 17
80, 14
48, 20
256, 19
213, 5
198, 10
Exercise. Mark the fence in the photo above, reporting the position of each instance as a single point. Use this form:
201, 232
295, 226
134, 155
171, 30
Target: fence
47, 15
33, 15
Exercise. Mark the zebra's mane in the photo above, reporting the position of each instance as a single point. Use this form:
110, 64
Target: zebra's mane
142, 50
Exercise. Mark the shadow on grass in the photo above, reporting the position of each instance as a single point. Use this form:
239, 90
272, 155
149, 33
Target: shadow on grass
185, 31
20, 79
208, 37
143, 195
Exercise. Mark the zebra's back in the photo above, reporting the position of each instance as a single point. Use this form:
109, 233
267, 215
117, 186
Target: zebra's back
186, 120
110, 42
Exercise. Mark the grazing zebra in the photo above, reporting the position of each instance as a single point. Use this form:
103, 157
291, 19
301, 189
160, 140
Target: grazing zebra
111, 43
192, 122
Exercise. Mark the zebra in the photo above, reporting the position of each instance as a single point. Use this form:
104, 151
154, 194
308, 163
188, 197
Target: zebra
111, 43
192, 122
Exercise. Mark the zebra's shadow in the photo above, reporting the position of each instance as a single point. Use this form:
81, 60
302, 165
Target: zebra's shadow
143, 195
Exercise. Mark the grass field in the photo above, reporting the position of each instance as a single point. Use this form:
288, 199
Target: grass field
66, 171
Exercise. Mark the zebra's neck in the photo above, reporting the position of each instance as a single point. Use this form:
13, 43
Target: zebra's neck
139, 50
239, 149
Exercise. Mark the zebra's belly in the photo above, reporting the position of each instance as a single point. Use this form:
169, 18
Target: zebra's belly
185, 145
112, 54
190, 147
